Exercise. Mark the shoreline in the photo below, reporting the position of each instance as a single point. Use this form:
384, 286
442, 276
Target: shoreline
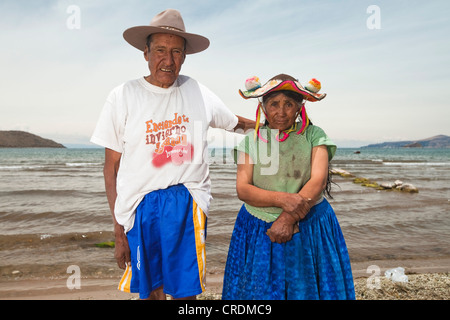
427, 280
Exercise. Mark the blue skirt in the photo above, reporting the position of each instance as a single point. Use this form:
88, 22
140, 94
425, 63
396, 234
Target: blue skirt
314, 264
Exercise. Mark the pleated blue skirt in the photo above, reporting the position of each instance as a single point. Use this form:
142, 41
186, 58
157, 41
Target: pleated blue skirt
313, 265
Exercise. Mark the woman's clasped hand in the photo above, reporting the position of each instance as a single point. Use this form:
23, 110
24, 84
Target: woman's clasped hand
295, 208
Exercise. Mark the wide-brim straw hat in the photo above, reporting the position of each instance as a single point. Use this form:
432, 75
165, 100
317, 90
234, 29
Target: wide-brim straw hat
168, 21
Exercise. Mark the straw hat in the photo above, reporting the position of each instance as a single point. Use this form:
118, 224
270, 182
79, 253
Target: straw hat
168, 21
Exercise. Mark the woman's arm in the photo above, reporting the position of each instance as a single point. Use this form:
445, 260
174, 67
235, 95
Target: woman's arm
258, 197
293, 203
319, 174
247, 192
280, 231
313, 189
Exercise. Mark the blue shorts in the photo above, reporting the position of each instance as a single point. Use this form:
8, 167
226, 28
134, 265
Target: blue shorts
167, 244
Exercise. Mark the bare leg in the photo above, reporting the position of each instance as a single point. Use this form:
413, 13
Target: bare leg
157, 294
187, 298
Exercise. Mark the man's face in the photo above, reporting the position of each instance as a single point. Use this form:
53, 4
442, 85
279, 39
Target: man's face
165, 57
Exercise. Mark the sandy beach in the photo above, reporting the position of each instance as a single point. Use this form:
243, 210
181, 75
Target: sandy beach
427, 280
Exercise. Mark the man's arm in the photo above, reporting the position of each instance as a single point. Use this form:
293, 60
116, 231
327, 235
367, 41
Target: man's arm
110, 169
112, 162
244, 124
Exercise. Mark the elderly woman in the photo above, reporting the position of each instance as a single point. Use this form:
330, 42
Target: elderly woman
287, 242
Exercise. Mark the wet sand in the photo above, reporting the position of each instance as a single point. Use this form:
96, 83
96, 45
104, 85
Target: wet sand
427, 280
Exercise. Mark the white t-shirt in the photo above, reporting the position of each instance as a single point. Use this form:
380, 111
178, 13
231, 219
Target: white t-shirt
162, 136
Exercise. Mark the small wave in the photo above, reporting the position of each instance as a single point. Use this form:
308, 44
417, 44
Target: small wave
83, 164
16, 168
51, 167
437, 164
350, 162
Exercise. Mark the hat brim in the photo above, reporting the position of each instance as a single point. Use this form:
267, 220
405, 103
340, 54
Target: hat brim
137, 37
278, 85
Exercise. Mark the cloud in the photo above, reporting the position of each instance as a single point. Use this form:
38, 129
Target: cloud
54, 80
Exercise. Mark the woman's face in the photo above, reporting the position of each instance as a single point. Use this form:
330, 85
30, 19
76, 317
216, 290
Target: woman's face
281, 111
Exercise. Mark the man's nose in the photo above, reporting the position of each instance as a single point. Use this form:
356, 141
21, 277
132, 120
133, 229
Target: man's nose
169, 58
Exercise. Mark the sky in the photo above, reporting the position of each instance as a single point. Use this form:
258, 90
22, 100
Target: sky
385, 65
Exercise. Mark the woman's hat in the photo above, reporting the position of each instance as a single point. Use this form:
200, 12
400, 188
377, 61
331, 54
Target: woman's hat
168, 21
282, 82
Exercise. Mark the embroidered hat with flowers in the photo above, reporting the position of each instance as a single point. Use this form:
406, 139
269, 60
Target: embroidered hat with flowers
309, 92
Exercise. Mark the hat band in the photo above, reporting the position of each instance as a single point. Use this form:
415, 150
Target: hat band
171, 28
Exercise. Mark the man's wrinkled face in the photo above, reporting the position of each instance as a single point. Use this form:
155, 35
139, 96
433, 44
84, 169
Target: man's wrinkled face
165, 56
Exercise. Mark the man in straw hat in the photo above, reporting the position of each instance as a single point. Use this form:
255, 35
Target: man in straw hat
154, 130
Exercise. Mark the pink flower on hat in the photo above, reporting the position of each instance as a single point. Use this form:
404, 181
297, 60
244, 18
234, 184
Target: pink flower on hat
252, 84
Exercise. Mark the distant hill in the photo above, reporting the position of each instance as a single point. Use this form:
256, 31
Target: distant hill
440, 141
21, 139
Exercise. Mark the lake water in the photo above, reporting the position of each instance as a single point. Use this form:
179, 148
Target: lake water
53, 208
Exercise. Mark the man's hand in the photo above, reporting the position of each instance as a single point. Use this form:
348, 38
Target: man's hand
122, 249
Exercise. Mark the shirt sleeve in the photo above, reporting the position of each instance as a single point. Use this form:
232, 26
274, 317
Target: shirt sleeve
110, 127
219, 115
248, 146
319, 138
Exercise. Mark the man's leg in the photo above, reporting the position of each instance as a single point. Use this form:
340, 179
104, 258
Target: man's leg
187, 298
157, 294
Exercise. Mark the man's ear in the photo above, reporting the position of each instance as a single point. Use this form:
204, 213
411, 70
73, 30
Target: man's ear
146, 50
